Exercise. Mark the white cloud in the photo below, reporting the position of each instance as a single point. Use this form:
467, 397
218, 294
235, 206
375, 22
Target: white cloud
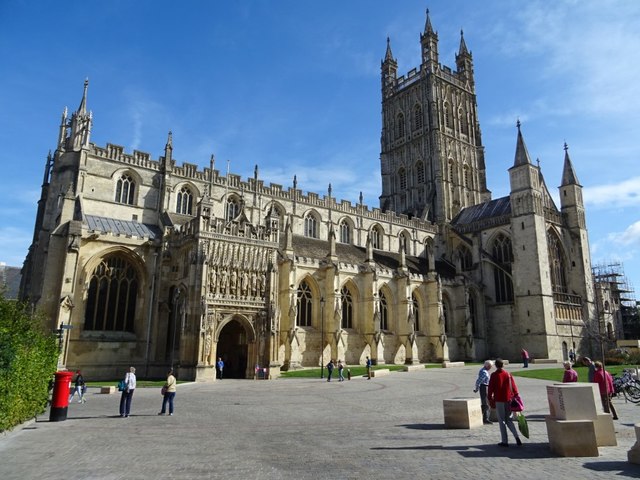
614, 195
630, 237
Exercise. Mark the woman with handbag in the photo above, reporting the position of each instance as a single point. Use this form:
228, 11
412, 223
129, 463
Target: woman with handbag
168, 393
502, 388
129, 387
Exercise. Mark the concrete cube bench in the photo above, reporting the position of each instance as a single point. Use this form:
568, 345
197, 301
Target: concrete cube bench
543, 360
572, 438
380, 372
452, 364
462, 413
108, 390
412, 368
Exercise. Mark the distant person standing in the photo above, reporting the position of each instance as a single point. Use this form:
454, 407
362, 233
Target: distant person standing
169, 393
340, 371
220, 367
525, 358
368, 368
329, 370
605, 384
79, 388
572, 356
570, 375
502, 388
127, 393
482, 384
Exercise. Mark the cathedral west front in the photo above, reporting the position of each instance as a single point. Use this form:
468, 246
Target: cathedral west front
158, 264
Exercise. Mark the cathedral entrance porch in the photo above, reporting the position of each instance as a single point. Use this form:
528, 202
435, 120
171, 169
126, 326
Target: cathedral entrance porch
233, 348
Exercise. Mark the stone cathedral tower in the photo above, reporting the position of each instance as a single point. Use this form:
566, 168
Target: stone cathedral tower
432, 158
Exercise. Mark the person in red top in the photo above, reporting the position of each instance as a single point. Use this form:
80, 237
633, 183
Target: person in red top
501, 388
605, 384
570, 375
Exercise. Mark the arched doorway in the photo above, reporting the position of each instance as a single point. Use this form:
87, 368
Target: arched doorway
233, 349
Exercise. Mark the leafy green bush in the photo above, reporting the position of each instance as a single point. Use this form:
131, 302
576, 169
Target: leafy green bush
28, 359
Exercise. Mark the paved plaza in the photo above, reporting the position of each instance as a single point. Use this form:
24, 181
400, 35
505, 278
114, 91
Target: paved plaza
388, 427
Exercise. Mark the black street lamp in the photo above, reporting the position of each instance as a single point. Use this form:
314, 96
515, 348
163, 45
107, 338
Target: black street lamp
322, 337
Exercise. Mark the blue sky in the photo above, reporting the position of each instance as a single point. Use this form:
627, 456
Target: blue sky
294, 86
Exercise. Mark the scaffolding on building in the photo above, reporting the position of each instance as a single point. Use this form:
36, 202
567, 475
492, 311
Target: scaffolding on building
615, 297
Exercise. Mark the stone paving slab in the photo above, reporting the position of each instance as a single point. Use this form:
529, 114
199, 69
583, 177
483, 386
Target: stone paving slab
388, 427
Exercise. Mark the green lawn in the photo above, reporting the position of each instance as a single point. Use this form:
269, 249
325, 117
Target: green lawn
139, 383
555, 374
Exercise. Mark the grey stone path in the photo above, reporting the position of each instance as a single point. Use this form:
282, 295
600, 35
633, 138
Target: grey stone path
388, 427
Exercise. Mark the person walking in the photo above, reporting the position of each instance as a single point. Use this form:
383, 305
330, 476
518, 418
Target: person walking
570, 375
329, 370
127, 393
502, 388
220, 367
482, 383
340, 371
368, 368
169, 393
79, 388
525, 358
605, 384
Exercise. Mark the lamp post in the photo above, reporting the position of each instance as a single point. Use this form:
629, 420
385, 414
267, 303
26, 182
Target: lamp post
322, 337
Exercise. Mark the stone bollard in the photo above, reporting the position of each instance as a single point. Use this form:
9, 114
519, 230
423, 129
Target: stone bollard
633, 455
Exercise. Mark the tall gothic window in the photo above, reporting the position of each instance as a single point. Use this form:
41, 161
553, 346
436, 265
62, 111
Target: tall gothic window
347, 308
416, 312
112, 296
417, 117
448, 117
184, 203
466, 259
404, 242
310, 226
473, 314
399, 126
464, 125
503, 256
376, 237
402, 179
125, 189
233, 208
305, 303
384, 312
556, 263
420, 172
345, 232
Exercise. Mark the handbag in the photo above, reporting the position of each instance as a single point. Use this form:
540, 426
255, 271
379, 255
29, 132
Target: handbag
523, 426
122, 386
516, 404
163, 390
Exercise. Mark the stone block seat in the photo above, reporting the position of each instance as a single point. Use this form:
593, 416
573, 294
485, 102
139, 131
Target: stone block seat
452, 364
462, 413
108, 390
380, 372
413, 368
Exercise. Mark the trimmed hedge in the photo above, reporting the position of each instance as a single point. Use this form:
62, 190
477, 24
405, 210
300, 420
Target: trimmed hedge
28, 359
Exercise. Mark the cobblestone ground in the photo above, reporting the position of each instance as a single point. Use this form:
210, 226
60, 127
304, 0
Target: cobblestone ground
388, 427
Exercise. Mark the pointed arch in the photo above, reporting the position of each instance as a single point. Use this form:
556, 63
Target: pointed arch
503, 256
402, 179
419, 168
418, 117
404, 241
399, 126
557, 264
417, 305
385, 307
234, 207
312, 224
466, 258
377, 237
345, 230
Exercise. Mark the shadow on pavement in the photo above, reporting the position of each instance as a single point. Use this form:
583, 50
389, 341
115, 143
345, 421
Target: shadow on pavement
622, 468
528, 450
424, 426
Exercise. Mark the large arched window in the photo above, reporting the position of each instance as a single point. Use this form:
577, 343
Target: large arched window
305, 304
347, 308
448, 116
503, 256
345, 232
233, 208
466, 258
416, 312
184, 203
310, 226
417, 117
556, 263
112, 296
384, 311
125, 189
376, 237
420, 172
402, 179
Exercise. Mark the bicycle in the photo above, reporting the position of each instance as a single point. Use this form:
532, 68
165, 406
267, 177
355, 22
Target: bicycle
628, 386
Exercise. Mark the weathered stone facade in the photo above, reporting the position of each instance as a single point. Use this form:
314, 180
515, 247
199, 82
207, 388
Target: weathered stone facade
155, 264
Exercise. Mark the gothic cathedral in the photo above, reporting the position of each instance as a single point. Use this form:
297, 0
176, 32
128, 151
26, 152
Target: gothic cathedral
159, 265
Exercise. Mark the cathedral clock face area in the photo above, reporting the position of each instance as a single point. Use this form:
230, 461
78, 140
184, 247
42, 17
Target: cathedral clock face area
233, 349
